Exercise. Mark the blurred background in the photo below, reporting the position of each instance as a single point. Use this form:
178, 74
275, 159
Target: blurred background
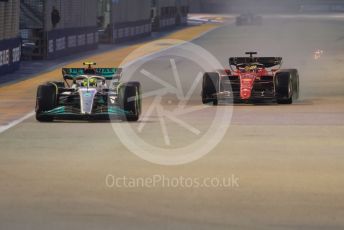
48, 29
266, 6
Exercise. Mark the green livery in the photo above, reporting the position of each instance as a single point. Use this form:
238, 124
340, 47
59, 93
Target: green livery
89, 93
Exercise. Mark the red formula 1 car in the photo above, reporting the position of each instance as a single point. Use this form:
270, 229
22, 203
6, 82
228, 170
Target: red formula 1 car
252, 79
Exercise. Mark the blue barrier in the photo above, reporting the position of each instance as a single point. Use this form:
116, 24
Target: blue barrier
64, 42
121, 32
10, 53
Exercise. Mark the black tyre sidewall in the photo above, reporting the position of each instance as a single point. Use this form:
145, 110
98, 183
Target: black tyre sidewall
129, 91
46, 100
139, 90
284, 82
210, 87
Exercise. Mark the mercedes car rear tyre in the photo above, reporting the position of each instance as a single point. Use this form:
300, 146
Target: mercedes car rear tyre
130, 102
138, 86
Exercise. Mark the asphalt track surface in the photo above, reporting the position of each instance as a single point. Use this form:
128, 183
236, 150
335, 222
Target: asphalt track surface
288, 159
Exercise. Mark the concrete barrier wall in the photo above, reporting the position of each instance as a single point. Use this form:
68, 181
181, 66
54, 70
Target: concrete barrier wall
131, 30
169, 13
63, 42
76, 31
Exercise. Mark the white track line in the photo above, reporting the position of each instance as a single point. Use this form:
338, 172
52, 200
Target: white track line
10, 125
4, 128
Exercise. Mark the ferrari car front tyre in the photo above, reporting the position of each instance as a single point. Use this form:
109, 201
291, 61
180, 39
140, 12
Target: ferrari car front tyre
287, 86
210, 88
45, 101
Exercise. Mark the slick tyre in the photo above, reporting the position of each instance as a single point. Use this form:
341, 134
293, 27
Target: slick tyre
287, 86
210, 88
139, 89
130, 102
45, 101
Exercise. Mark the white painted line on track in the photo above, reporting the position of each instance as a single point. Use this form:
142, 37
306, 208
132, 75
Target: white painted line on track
10, 125
14, 123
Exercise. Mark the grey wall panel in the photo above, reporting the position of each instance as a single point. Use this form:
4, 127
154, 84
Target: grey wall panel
31, 14
9, 19
76, 30
2, 20
130, 19
10, 43
130, 11
74, 13
169, 13
68, 41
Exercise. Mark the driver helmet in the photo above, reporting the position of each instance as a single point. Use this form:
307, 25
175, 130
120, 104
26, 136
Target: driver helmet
91, 82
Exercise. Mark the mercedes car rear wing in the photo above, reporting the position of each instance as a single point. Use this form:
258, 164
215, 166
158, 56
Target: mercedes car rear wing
108, 73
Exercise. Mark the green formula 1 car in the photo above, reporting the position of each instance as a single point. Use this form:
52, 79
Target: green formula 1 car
89, 93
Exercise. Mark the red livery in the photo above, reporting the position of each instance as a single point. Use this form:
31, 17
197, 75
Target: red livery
252, 79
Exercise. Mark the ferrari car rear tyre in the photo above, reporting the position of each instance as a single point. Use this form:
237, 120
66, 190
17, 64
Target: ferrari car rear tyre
287, 86
210, 88
130, 102
45, 101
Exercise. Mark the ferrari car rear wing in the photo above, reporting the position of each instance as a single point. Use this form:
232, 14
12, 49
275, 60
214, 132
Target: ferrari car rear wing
268, 62
108, 73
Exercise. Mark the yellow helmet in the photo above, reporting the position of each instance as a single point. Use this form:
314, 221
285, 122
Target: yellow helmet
89, 82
